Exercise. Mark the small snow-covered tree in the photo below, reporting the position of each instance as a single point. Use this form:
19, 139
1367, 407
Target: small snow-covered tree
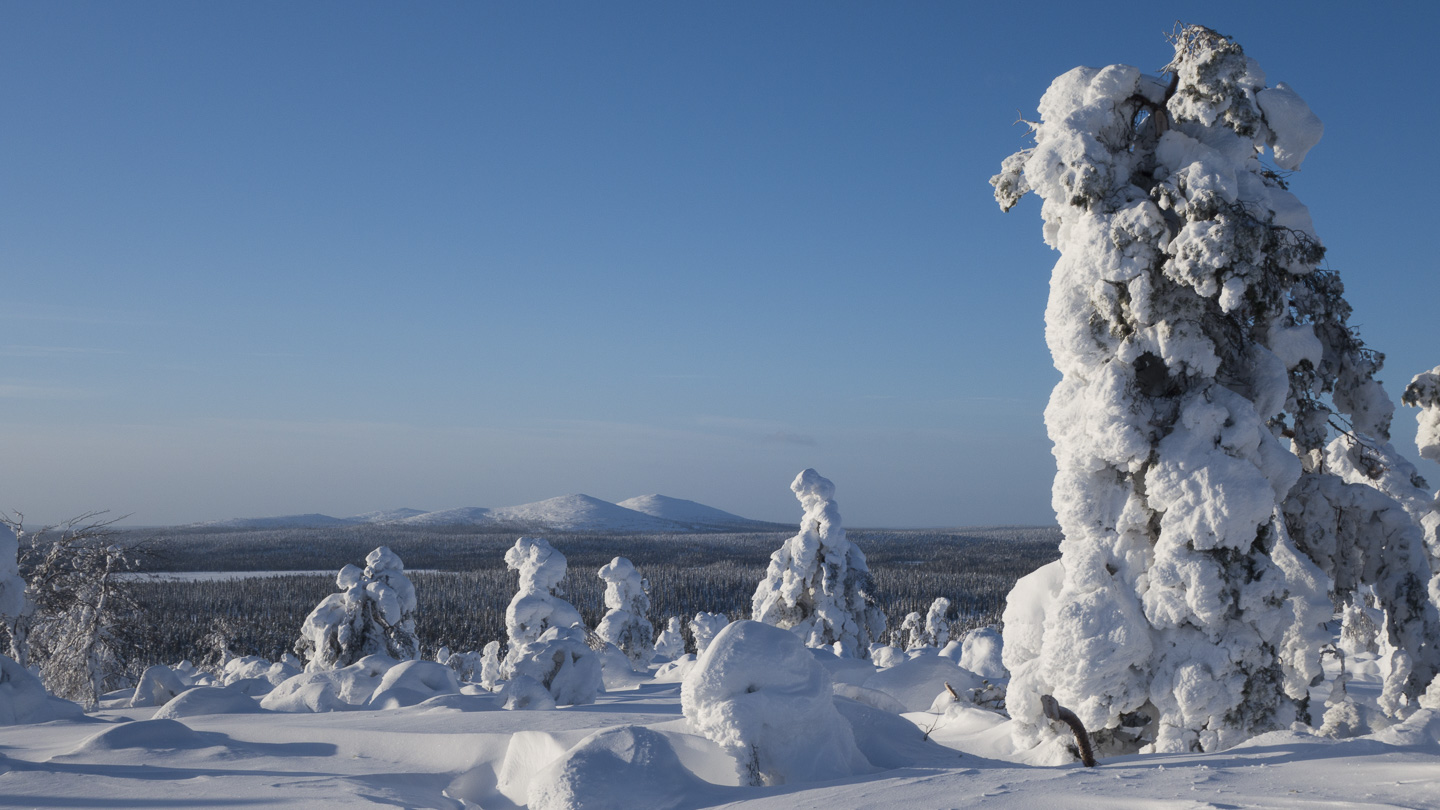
817, 584
537, 605
937, 623
912, 631
490, 665
1423, 392
705, 627
670, 644
83, 630
625, 625
373, 613
1193, 330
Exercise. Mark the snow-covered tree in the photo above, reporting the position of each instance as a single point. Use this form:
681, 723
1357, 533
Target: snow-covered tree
625, 625
82, 630
705, 627
817, 584
373, 613
15, 606
1423, 392
937, 623
670, 644
490, 665
912, 631
1193, 329
537, 605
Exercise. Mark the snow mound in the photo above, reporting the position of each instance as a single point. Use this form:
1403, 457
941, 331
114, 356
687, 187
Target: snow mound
412, 682
23, 698
154, 735
248, 667
158, 686
208, 700
330, 690
615, 769
763, 698
916, 682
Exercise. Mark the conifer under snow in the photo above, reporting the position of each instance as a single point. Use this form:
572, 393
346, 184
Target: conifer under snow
1194, 330
817, 584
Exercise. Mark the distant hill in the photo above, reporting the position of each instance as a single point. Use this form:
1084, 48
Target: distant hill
647, 513
697, 516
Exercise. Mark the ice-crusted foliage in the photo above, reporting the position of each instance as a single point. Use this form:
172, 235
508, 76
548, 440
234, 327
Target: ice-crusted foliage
490, 665
537, 605
624, 624
912, 631
1193, 330
765, 699
1423, 392
670, 644
817, 584
372, 614
705, 627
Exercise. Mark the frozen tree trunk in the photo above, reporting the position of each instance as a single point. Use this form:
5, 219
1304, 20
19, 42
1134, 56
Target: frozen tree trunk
1186, 618
817, 584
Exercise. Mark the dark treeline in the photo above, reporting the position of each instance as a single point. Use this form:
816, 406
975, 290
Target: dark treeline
462, 602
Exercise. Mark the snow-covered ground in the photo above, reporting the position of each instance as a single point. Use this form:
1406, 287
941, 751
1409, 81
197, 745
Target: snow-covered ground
463, 750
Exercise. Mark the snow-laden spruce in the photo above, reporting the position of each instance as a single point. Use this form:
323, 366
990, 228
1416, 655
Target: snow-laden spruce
537, 605
374, 613
817, 584
624, 624
15, 605
1193, 329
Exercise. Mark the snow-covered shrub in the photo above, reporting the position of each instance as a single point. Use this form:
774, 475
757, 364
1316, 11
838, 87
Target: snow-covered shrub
761, 696
1192, 327
817, 584
705, 627
670, 644
917, 682
537, 605
561, 662
885, 656
23, 699
373, 614
465, 665
330, 690
158, 685
625, 625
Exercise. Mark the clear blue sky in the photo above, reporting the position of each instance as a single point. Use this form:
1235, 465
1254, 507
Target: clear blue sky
266, 258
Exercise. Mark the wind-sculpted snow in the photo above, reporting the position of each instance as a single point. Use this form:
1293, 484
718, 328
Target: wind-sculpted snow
760, 695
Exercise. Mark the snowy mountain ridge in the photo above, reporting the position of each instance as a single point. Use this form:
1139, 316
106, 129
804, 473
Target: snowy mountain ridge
578, 512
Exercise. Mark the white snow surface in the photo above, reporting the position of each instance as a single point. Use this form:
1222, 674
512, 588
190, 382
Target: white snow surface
634, 749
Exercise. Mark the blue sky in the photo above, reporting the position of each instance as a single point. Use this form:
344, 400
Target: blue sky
268, 258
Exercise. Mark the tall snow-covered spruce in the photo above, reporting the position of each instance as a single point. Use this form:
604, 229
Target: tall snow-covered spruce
818, 585
625, 624
1204, 358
